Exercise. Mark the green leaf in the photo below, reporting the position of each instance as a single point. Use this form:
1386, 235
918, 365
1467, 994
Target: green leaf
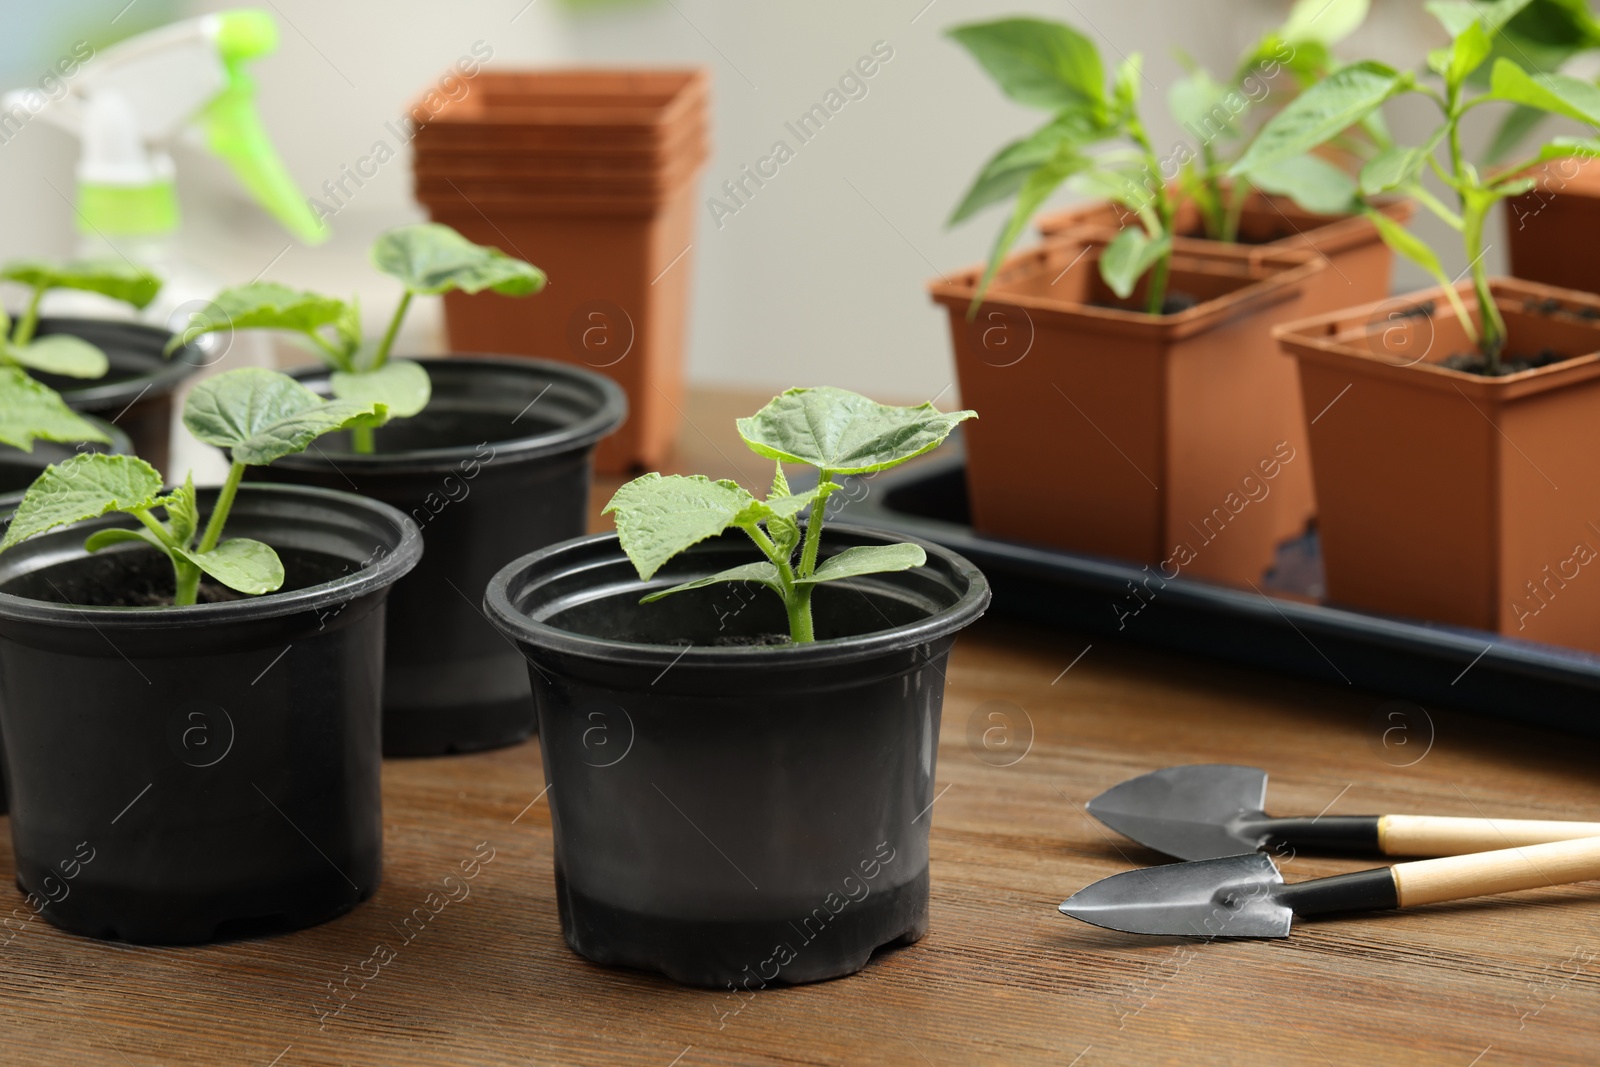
116, 278
1559, 94
1566, 148
1037, 63
842, 432
30, 409
1004, 175
1459, 16
1036, 189
432, 258
866, 559
85, 486
658, 517
183, 513
1322, 112
242, 564
1325, 22
763, 572
1311, 182
401, 385
1411, 247
1128, 256
1197, 102
1125, 85
1466, 53
116, 536
262, 415
265, 306
63, 354
1396, 166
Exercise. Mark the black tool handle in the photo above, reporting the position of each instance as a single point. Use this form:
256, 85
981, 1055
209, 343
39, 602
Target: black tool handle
1327, 833
1372, 890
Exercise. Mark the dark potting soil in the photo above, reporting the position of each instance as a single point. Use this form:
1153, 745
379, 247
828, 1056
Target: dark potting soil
135, 578
1550, 307
738, 640
715, 953
1172, 305
1474, 363
441, 426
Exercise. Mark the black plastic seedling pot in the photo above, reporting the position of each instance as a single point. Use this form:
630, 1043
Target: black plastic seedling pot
732, 814
180, 775
497, 465
137, 392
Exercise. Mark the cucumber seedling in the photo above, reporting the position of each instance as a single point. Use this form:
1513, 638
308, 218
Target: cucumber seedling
258, 415
428, 259
837, 432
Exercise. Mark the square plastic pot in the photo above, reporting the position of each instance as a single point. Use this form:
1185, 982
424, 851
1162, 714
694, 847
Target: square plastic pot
1359, 263
1449, 496
181, 775
736, 816
1175, 440
1552, 230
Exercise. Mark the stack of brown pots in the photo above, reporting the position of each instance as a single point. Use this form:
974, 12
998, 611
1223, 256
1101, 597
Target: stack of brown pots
591, 175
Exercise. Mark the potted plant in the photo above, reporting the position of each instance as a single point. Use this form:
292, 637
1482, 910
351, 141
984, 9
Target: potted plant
1174, 424
192, 732
1307, 202
104, 368
490, 455
741, 774
1474, 417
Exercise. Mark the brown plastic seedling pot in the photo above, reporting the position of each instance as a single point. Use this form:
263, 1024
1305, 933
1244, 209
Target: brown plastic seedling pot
1450, 496
1554, 228
1174, 440
1359, 263
508, 183
617, 303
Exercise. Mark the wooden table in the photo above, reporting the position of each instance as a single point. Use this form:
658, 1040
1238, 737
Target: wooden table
1001, 977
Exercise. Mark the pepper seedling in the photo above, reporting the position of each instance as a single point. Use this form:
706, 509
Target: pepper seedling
834, 430
428, 259
259, 416
1357, 91
64, 354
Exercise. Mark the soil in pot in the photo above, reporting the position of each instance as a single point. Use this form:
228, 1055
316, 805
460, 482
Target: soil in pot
181, 775
138, 390
736, 817
1451, 496
497, 465
1174, 440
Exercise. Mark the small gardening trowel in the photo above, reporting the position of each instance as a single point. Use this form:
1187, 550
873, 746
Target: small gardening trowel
1205, 810
1245, 896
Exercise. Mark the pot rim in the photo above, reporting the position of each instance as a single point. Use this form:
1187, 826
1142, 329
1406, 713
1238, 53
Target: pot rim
946, 622
1319, 338
608, 415
165, 378
383, 571
1288, 269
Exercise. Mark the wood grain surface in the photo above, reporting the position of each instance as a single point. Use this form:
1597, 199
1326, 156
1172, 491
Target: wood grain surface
1001, 977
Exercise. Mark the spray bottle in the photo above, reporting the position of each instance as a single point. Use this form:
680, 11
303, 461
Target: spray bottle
128, 105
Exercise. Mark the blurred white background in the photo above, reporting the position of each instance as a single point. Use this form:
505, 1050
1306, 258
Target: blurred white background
818, 279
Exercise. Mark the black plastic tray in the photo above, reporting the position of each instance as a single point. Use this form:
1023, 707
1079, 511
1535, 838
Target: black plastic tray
1419, 661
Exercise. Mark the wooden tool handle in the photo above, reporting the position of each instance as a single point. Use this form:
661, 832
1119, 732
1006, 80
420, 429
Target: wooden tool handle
1502, 871
1433, 835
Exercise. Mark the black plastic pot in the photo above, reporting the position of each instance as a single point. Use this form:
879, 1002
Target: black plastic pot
180, 775
497, 465
736, 816
137, 391
18, 469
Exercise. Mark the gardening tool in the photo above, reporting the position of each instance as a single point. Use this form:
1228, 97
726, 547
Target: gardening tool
1245, 896
1205, 810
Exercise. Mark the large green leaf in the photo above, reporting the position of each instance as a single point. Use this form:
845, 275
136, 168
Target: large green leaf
765, 573
1324, 22
1323, 111
1311, 182
30, 409
242, 564
842, 432
63, 354
433, 258
1037, 63
1128, 256
866, 559
660, 516
1559, 94
264, 306
116, 278
1004, 175
85, 486
262, 415
401, 385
